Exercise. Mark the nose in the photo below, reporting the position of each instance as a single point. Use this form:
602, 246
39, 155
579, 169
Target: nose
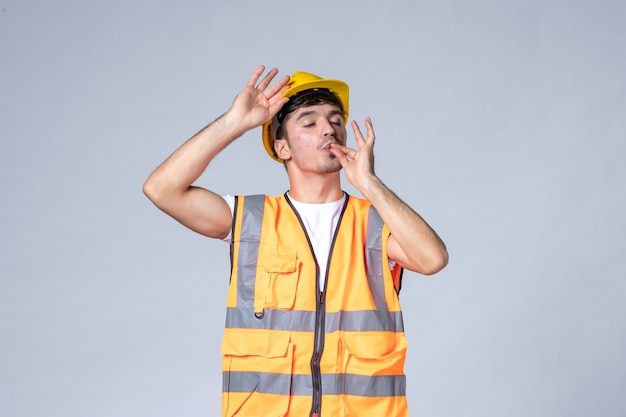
328, 128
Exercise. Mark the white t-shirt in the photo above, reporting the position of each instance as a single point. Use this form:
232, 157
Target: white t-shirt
320, 222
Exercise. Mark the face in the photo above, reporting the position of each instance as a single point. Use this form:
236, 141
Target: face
309, 132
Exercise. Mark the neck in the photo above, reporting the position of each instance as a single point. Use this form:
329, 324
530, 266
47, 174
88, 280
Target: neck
315, 188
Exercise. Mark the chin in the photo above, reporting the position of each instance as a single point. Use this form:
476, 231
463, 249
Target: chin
333, 166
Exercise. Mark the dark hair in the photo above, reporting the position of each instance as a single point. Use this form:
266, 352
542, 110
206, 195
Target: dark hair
305, 98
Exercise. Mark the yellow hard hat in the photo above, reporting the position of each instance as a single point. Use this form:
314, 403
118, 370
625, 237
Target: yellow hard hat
302, 81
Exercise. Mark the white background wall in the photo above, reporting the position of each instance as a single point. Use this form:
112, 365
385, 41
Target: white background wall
502, 122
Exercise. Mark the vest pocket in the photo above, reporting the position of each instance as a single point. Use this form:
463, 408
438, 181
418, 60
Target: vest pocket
277, 282
256, 373
373, 364
373, 353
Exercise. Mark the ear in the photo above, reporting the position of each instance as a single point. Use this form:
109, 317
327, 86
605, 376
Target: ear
281, 147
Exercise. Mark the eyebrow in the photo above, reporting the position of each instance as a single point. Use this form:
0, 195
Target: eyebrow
310, 112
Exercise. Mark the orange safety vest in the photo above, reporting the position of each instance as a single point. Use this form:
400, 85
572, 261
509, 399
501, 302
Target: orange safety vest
291, 348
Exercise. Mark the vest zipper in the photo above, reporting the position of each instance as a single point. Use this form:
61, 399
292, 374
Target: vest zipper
318, 349
320, 321
318, 338
320, 313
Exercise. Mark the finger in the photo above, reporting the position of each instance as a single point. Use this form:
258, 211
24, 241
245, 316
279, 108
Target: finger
340, 155
280, 87
351, 153
267, 79
370, 131
360, 140
255, 77
277, 101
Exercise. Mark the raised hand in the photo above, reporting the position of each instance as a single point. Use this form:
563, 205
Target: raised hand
256, 103
358, 165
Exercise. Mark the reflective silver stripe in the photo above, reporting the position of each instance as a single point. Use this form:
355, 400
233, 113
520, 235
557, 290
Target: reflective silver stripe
374, 259
251, 222
332, 384
263, 382
364, 320
272, 319
304, 321
363, 385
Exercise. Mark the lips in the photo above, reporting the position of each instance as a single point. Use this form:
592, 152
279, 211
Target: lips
326, 146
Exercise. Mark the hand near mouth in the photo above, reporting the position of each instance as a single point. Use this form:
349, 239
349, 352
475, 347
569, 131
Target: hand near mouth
358, 165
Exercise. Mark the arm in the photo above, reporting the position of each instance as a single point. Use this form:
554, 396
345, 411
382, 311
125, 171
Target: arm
170, 187
413, 243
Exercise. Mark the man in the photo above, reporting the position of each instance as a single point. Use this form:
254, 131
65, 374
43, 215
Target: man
314, 325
